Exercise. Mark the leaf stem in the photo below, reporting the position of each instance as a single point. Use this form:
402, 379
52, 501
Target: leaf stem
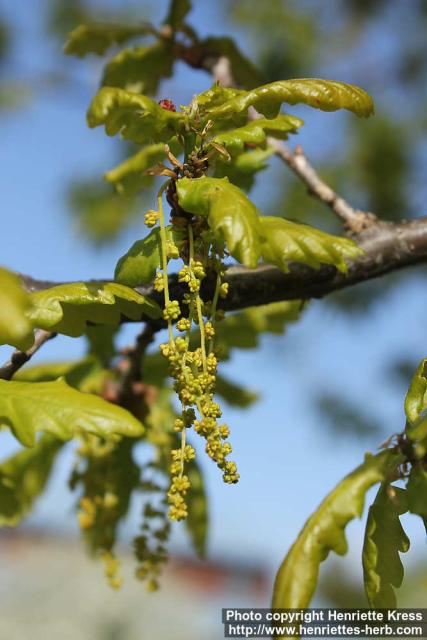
214, 306
19, 358
163, 242
198, 302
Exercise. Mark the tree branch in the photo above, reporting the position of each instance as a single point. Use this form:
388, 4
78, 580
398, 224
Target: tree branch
388, 247
19, 358
354, 220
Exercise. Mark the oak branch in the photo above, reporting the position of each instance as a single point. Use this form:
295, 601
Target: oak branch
387, 247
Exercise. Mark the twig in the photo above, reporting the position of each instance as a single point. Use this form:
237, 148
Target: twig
354, 220
221, 72
19, 358
131, 387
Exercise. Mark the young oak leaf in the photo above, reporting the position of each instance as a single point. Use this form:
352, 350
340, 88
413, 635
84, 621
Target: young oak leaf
58, 409
416, 401
140, 68
232, 217
384, 539
139, 264
255, 132
23, 478
417, 493
98, 37
16, 328
285, 241
68, 308
86, 375
327, 95
242, 169
324, 532
134, 116
215, 97
130, 176
415, 409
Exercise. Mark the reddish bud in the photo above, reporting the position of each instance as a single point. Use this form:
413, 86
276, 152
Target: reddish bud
167, 104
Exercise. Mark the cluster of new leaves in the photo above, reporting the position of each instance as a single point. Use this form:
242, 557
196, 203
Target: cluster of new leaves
206, 152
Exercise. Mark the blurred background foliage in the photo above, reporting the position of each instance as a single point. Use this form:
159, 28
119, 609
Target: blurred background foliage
378, 165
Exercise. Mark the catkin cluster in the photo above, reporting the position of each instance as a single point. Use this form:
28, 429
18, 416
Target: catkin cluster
193, 360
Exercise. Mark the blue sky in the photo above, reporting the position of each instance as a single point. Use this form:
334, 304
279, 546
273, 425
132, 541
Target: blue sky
288, 458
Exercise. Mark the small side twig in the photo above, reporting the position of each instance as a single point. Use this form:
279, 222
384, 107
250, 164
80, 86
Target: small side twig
221, 72
131, 386
354, 220
19, 358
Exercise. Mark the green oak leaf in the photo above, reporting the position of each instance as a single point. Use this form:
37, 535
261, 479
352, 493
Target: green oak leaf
135, 117
46, 372
242, 169
56, 408
285, 241
140, 69
415, 410
16, 328
68, 308
326, 95
255, 132
416, 400
86, 375
139, 264
215, 97
98, 37
232, 217
23, 478
384, 538
324, 532
417, 493
130, 176
418, 435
